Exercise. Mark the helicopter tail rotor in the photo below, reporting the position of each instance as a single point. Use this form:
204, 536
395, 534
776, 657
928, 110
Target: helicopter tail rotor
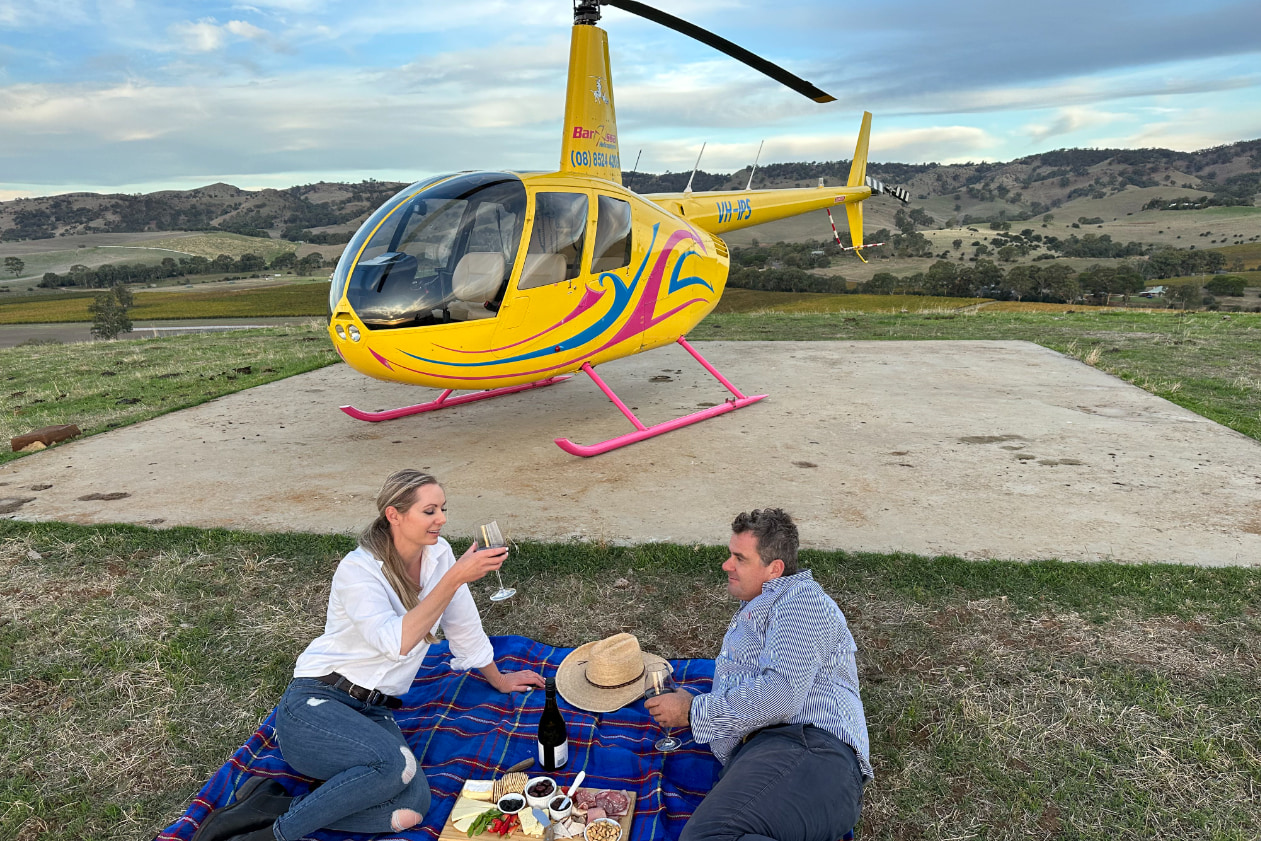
588, 12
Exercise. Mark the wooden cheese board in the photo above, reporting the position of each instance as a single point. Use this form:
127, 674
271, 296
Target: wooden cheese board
450, 833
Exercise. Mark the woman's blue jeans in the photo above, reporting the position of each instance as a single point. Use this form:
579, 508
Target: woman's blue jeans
791, 782
369, 771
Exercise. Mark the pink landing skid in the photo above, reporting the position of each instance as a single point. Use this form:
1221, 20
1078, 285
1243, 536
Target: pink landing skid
641, 432
442, 402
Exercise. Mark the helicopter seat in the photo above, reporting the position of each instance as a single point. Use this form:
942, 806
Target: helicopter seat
542, 270
478, 276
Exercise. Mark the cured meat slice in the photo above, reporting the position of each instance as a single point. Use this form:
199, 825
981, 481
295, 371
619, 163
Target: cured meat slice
585, 798
614, 803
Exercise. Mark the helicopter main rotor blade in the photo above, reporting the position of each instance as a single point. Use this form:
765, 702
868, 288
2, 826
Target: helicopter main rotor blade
721, 44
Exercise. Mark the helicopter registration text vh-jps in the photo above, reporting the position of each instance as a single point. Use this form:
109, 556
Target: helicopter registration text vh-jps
507, 280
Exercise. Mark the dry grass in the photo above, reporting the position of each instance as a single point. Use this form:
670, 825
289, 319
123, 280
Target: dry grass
211, 246
103, 385
752, 301
1003, 701
281, 300
1034, 306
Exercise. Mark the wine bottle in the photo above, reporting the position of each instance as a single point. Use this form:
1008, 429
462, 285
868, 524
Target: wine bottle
553, 742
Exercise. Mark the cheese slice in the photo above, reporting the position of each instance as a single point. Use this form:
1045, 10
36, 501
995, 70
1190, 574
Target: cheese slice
530, 823
478, 789
465, 812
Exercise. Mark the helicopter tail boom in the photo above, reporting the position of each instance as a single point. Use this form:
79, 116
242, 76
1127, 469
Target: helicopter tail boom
727, 210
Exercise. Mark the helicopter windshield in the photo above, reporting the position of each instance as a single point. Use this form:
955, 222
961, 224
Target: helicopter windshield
439, 251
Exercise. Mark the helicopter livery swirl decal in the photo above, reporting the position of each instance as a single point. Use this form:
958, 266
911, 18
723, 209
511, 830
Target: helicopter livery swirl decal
634, 322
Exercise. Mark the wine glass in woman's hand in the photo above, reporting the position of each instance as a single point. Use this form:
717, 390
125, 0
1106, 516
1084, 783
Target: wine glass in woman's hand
659, 680
489, 537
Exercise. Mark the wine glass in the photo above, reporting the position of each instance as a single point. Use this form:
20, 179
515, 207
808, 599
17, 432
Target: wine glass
658, 680
491, 538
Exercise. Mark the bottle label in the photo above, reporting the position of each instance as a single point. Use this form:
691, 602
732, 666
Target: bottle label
561, 752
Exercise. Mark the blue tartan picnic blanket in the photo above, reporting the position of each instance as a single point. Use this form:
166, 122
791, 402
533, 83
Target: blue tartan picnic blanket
461, 729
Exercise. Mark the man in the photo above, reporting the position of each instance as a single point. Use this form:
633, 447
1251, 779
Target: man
784, 716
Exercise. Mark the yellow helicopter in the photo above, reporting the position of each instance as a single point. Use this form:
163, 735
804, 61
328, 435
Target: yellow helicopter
498, 282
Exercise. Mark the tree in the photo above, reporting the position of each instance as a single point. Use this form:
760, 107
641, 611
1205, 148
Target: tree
309, 264
1098, 280
14, 265
920, 217
986, 277
109, 313
940, 278
1058, 282
881, 283
250, 263
284, 260
904, 222
1128, 281
1226, 285
1185, 294
1024, 281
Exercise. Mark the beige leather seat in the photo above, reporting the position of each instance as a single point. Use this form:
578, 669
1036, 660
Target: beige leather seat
541, 270
478, 276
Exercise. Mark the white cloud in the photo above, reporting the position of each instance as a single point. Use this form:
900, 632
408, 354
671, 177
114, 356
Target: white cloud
245, 31
943, 144
1068, 121
207, 35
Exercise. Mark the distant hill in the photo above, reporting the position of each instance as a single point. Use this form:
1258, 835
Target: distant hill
298, 213
1098, 182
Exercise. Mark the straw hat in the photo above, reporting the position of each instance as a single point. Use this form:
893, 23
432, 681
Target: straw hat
604, 675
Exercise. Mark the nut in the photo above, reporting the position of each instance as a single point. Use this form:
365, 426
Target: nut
603, 830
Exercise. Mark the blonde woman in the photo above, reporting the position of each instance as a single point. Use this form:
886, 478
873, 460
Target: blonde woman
334, 722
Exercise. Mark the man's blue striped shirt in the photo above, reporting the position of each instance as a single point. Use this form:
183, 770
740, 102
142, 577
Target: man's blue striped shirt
787, 658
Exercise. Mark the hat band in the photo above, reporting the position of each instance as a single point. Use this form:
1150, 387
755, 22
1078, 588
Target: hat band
635, 679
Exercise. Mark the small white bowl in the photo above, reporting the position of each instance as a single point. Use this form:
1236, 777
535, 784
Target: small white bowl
559, 807
540, 801
590, 837
512, 797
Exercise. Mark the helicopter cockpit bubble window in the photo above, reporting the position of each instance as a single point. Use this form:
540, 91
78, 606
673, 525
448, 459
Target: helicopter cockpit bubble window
612, 235
439, 254
557, 239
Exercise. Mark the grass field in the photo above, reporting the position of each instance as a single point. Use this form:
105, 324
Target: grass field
294, 299
1004, 701
749, 300
36, 265
134, 250
103, 385
1248, 252
211, 246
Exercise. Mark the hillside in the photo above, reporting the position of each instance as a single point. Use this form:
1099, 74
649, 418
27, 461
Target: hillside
1145, 198
297, 213
1070, 183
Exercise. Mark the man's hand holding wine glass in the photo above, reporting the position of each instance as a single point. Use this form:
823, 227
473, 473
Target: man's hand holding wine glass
670, 709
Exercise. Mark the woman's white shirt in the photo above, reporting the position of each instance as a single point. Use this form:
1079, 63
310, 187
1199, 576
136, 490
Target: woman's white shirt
364, 629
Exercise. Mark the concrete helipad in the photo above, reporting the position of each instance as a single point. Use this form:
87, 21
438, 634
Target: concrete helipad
978, 449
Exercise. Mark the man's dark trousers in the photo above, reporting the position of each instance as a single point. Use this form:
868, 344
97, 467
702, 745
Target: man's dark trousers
791, 782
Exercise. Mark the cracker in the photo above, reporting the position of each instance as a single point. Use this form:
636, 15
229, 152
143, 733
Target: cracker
513, 783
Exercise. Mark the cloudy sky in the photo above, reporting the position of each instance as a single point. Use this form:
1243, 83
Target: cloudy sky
140, 95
